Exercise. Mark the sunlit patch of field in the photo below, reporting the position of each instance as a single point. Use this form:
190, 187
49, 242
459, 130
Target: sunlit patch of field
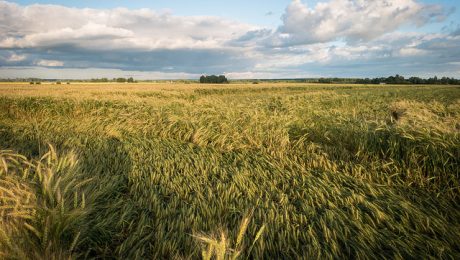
263, 171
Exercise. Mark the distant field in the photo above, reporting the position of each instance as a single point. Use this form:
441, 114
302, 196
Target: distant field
137, 171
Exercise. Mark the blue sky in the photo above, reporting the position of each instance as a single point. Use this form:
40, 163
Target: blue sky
242, 39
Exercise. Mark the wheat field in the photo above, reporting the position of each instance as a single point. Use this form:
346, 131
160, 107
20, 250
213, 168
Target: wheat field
266, 171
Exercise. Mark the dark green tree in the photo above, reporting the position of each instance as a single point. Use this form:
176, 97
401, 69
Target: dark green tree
213, 79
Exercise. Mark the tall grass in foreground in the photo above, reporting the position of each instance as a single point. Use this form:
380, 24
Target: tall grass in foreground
221, 247
331, 172
42, 206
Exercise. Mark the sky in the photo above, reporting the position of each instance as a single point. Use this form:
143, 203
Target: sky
183, 39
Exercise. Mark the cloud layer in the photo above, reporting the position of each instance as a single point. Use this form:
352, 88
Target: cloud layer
337, 37
121, 28
352, 20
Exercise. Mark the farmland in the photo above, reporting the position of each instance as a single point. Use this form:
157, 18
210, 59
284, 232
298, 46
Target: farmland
284, 170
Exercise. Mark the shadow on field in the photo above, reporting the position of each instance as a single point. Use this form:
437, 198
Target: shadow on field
108, 161
28, 145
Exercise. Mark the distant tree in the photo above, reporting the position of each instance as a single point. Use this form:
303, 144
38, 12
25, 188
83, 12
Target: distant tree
397, 79
444, 81
121, 80
222, 79
101, 80
213, 79
453, 81
324, 80
432, 80
415, 80
130, 80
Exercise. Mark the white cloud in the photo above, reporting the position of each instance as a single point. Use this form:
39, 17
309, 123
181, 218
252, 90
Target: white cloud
350, 19
411, 52
120, 28
50, 63
16, 57
89, 35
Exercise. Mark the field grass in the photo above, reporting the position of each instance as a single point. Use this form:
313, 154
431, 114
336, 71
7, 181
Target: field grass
249, 171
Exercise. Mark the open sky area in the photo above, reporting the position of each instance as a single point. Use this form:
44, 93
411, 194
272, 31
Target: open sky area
241, 39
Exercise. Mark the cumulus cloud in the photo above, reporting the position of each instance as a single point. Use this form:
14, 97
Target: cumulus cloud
418, 54
89, 35
351, 19
120, 28
50, 63
121, 38
16, 57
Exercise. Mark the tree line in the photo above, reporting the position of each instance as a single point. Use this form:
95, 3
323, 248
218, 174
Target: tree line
119, 80
397, 79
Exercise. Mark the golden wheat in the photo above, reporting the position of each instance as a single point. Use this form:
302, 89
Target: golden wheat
171, 171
